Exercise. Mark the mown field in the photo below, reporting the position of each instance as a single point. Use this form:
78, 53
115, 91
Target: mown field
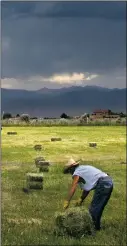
28, 219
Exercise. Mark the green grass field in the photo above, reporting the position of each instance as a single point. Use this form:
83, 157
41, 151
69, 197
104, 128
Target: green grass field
28, 219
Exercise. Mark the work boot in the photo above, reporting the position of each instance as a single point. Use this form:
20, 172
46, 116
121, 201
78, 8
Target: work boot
97, 225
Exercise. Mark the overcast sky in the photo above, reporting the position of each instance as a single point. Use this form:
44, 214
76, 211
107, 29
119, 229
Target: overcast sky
57, 44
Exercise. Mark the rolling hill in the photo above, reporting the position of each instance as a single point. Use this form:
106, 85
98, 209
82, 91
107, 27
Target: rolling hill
74, 100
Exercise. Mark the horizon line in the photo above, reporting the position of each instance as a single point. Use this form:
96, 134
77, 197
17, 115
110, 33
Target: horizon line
67, 87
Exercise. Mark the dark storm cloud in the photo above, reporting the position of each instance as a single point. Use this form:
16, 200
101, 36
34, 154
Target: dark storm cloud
112, 10
34, 44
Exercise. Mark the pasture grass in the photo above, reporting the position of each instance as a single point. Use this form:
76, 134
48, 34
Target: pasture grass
28, 219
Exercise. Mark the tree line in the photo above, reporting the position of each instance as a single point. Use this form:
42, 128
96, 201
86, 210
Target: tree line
26, 117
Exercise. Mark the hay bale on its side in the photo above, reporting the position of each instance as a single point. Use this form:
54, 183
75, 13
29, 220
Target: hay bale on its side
56, 139
14, 133
11, 133
92, 144
75, 222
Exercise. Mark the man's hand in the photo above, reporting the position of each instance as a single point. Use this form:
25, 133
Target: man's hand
79, 202
66, 204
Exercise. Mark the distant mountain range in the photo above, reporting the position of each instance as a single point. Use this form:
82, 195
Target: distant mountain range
74, 100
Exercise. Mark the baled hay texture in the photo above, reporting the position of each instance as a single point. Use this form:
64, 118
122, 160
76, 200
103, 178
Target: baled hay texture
34, 177
12, 133
75, 222
43, 169
35, 185
92, 144
39, 159
43, 164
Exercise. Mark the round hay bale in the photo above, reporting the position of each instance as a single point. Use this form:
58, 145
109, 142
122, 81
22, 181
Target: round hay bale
92, 144
56, 139
38, 147
39, 159
75, 222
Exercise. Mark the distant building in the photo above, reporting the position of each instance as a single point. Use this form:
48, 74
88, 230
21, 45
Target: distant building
101, 113
104, 113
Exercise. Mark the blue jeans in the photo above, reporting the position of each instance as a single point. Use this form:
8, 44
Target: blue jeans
101, 196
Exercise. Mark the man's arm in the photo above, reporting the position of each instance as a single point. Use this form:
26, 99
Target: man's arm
84, 194
72, 191
73, 188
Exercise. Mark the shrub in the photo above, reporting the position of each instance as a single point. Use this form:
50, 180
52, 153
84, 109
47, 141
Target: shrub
65, 116
75, 222
25, 117
7, 116
64, 122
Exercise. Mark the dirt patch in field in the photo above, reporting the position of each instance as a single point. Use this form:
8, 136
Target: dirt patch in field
19, 221
10, 166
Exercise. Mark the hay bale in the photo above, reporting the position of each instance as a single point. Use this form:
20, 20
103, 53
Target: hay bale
92, 144
35, 185
39, 159
56, 139
123, 162
11, 133
38, 147
34, 181
34, 177
75, 222
42, 164
43, 169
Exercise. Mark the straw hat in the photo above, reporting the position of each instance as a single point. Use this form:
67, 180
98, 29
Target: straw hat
70, 163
